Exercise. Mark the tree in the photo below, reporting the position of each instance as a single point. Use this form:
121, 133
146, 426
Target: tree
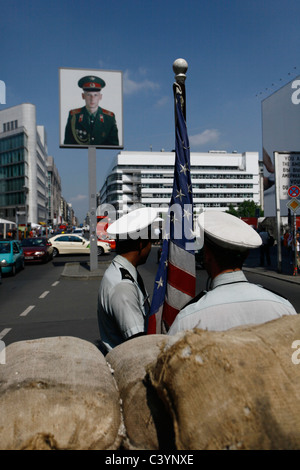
246, 209
232, 210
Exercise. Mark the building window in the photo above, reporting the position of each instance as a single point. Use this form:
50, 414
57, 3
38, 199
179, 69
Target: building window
10, 126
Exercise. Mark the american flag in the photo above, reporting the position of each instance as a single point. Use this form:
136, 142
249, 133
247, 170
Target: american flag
175, 280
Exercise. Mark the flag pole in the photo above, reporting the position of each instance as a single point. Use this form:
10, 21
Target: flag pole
175, 279
180, 67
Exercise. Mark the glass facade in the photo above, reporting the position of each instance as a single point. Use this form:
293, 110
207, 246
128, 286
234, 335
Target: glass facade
13, 173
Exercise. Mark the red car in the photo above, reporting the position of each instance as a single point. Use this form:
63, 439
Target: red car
37, 249
111, 242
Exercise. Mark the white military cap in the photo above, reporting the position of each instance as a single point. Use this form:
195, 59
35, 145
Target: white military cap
228, 231
134, 224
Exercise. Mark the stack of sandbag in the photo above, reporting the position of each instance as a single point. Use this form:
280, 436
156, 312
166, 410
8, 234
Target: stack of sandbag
237, 389
58, 393
147, 424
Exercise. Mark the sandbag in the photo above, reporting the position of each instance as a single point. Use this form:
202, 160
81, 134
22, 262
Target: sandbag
237, 389
58, 393
147, 424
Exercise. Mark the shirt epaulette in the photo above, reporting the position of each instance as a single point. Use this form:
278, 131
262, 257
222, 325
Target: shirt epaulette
109, 113
126, 274
75, 111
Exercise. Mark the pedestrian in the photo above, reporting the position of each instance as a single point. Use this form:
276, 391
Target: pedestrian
296, 256
298, 250
231, 299
91, 125
265, 248
290, 247
123, 302
285, 247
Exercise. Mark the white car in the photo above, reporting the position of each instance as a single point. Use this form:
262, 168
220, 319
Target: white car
68, 243
78, 231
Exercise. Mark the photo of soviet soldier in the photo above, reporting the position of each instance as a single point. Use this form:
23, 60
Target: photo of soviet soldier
91, 125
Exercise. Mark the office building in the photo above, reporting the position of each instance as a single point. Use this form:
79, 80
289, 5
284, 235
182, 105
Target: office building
218, 180
23, 166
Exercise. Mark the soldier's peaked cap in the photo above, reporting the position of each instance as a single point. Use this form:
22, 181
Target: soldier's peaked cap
91, 83
134, 223
228, 231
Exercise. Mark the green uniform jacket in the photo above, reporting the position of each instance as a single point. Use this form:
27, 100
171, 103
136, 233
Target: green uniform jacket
84, 129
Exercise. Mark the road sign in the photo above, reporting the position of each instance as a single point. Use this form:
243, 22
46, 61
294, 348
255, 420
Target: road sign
293, 204
294, 191
287, 172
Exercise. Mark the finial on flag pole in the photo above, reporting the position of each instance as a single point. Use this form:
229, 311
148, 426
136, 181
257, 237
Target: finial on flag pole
180, 67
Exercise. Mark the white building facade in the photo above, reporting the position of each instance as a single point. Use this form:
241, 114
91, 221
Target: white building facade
23, 166
218, 180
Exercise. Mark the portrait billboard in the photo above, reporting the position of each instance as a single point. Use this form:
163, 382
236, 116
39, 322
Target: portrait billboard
91, 108
280, 133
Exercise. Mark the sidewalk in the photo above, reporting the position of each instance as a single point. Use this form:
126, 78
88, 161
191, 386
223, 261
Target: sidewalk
81, 271
253, 261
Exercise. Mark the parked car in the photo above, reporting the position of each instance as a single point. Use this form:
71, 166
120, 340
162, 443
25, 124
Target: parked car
111, 241
65, 244
37, 249
11, 256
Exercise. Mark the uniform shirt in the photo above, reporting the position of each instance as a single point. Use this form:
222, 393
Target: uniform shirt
233, 301
122, 305
84, 128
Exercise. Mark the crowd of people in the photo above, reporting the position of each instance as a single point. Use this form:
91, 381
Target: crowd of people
289, 241
14, 234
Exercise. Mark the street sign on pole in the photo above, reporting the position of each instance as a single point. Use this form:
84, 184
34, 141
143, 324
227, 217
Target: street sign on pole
293, 204
294, 191
287, 178
287, 168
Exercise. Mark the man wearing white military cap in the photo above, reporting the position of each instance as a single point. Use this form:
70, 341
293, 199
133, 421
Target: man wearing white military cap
232, 300
122, 299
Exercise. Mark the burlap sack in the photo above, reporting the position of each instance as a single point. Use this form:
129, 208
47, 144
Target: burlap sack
147, 424
57, 393
237, 389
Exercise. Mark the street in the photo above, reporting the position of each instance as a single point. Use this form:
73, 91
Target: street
38, 302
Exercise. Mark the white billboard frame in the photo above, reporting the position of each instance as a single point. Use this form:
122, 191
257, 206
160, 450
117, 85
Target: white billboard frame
71, 100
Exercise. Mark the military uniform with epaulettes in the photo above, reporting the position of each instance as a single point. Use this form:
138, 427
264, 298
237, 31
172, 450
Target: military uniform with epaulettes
84, 128
123, 303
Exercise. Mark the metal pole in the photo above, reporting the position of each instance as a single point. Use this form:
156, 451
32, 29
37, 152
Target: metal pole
279, 258
295, 245
17, 223
93, 208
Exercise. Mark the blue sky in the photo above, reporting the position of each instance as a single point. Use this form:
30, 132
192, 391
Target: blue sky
238, 53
